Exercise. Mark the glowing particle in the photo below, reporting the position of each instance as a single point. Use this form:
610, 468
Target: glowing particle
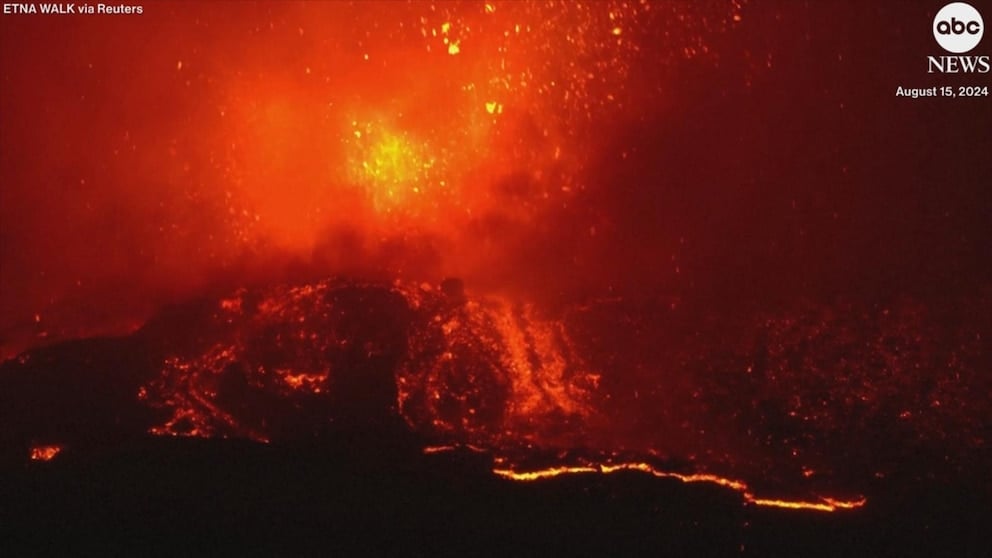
490, 8
179, 65
453, 48
617, 31
445, 27
492, 107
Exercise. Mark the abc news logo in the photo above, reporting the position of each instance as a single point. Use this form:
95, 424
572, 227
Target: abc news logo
958, 28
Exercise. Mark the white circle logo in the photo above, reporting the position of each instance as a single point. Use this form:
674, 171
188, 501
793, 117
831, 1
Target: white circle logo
958, 27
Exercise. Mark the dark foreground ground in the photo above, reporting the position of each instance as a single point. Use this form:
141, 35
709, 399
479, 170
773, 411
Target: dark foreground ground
165, 496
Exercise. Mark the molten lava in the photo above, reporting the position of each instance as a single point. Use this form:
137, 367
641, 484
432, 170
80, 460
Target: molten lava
484, 373
825, 504
550, 395
45, 452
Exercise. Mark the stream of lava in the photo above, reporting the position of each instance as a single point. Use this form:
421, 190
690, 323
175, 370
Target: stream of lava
44, 452
824, 504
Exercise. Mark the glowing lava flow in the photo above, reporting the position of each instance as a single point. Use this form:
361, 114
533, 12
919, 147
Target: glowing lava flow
825, 504
574, 391
45, 453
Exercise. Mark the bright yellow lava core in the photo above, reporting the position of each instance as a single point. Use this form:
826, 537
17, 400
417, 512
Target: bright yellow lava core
393, 167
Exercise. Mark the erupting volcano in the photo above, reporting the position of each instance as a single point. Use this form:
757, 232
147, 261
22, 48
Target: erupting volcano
631, 264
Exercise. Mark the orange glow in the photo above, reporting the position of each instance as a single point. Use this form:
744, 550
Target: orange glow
418, 134
303, 381
45, 452
824, 504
